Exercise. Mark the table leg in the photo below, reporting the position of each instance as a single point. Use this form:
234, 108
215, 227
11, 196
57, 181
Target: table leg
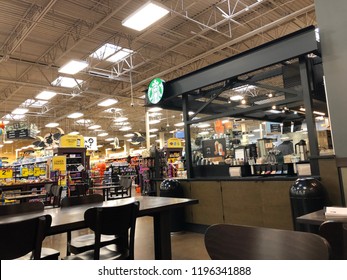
162, 237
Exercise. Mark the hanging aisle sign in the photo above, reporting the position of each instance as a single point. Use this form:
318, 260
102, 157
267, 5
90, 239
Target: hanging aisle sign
155, 90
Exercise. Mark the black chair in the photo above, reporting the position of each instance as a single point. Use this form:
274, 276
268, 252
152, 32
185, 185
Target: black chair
237, 242
117, 221
124, 188
53, 195
24, 237
336, 234
84, 242
28, 207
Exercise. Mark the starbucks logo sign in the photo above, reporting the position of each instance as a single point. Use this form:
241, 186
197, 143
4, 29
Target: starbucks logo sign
155, 90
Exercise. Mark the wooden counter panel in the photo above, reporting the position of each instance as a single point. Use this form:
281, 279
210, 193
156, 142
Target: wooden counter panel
210, 208
242, 203
276, 205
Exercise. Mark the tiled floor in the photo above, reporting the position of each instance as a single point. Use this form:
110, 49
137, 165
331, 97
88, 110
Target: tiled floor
185, 245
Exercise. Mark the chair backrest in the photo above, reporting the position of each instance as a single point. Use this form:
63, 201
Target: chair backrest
125, 182
22, 237
24, 207
54, 195
78, 200
237, 242
115, 220
336, 234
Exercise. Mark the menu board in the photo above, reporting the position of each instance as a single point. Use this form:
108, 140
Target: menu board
214, 148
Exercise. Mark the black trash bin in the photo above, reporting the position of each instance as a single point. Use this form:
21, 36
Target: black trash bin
172, 188
306, 195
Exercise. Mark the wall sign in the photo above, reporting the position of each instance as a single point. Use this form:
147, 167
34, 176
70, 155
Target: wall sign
90, 143
155, 90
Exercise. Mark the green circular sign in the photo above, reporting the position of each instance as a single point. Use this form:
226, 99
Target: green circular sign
155, 90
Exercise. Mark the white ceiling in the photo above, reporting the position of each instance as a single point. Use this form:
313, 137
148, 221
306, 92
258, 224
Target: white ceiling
39, 36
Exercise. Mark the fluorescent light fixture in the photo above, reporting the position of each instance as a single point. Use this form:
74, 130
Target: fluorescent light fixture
66, 82
179, 124
236, 97
319, 113
120, 119
204, 133
46, 95
129, 135
19, 111
121, 123
129, 140
108, 102
34, 103
152, 135
52, 125
105, 51
154, 121
125, 128
74, 133
103, 134
14, 117
204, 125
244, 88
75, 115
119, 55
5, 122
8, 142
155, 114
145, 16
153, 130
109, 139
155, 109
73, 67
84, 121
95, 126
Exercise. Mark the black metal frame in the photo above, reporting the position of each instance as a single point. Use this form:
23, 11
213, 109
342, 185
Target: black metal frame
182, 94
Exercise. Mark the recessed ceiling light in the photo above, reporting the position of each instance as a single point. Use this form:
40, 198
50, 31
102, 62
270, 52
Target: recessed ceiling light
75, 115
73, 67
46, 95
108, 102
145, 16
95, 126
52, 125
19, 111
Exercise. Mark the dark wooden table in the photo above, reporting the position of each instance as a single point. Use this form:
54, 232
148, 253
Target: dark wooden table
318, 217
105, 190
71, 218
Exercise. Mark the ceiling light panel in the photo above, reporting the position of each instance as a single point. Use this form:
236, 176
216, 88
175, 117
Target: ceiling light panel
52, 124
108, 102
75, 115
46, 95
73, 67
145, 16
20, 111
66, 82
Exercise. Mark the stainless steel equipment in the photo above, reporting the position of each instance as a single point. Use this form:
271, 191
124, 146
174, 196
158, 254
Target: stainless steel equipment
301, 150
